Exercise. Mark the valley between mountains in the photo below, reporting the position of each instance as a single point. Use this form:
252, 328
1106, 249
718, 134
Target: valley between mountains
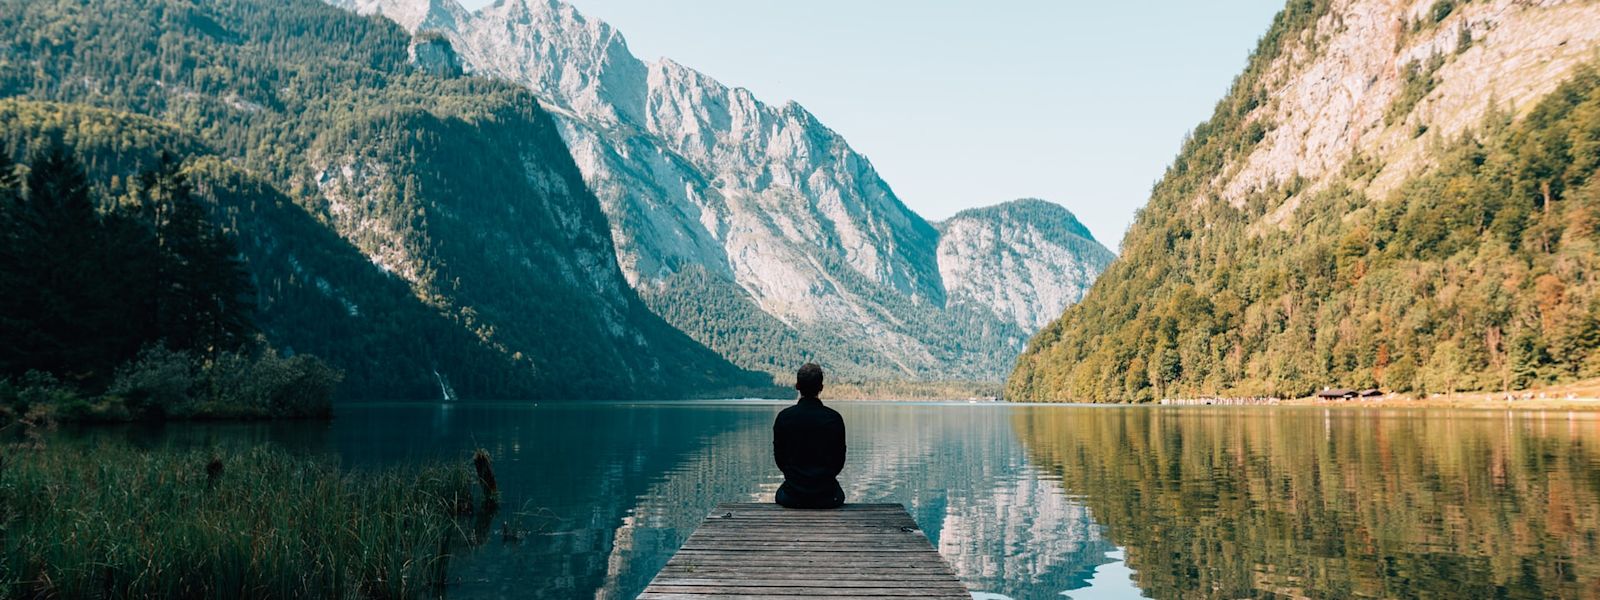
507, 204
755, 228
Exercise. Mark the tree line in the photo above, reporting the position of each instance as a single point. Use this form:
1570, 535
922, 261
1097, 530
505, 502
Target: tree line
137, 295
460, 252
1478, 273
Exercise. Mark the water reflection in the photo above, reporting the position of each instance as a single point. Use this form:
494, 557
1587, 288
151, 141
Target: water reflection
613, 490
1030, 502
1315, 503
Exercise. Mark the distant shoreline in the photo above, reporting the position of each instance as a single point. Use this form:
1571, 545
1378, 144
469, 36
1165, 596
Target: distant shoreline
1575, 396
1463, 401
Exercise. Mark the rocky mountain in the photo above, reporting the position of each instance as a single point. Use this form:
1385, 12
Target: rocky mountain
752, 227
428, 234
1026, 260
1392, 194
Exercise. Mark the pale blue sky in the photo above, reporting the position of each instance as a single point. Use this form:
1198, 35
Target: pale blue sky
963, 104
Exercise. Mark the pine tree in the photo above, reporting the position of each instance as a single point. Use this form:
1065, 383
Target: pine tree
12, 324
52, 312
10, 184
204, 297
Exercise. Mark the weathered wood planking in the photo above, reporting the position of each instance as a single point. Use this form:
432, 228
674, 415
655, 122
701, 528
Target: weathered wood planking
767, 551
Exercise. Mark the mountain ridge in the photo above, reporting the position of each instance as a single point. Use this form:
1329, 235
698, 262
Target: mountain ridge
765, 201
1390, 195
437, 219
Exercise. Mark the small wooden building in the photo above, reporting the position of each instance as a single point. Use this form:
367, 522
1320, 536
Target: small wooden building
1336, 394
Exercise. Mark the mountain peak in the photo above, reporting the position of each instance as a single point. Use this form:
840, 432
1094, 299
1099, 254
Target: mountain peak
1026, 259
708, 188
1029, 210
414, 15
1374, 204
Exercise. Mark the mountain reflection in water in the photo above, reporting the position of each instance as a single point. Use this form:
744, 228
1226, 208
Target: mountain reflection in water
1305, 502
1029, 501
611, 490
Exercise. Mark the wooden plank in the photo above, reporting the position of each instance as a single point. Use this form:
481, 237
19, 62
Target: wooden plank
815, 591
840, 535
748, 582
678, 596
770, 552
835, 565
765, 571
775, 574
843, 562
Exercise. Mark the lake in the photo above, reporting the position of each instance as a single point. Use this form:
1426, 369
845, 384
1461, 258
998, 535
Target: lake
1028, 501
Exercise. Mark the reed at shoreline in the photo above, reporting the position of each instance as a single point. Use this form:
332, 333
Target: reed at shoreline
113, 521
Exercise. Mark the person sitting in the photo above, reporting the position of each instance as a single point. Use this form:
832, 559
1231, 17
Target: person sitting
808, 445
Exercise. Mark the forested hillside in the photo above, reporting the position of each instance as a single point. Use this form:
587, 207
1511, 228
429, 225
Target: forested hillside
1289, 506
122, 300
422, 232
1452, 247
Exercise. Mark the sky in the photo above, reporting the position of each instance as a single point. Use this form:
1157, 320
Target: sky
960, 104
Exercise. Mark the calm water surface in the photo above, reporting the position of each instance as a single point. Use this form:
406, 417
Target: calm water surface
1033, 501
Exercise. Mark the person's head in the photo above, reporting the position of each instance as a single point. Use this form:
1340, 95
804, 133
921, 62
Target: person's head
809, 379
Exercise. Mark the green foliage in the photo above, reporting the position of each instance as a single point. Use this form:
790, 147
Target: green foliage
93, 286
1480, 273
472, 196
38, 394
89, 288
271, 385
1302, 503
116, 522
714, 311
158, 383
164, 384
1441, 10
1419, 81
204, 298
1050, 219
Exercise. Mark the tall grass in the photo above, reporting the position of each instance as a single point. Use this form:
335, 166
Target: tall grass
112, 522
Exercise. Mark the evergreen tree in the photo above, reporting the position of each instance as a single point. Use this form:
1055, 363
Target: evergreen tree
476, 305
52, 311
12, 325
203, 296
10, 184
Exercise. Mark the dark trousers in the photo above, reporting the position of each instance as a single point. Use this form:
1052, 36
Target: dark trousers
788, 499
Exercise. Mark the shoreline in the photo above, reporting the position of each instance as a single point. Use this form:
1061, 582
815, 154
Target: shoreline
1579, 395
1460, 401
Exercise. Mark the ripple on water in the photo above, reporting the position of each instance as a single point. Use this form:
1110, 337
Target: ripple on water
1031, 501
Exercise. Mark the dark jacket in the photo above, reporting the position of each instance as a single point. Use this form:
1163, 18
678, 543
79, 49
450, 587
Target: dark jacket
808, 445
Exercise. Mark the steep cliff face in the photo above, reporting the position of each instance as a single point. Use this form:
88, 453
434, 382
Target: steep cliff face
1370, 75
434, 55
481, 258
1027, 260
706, 183
1374, 203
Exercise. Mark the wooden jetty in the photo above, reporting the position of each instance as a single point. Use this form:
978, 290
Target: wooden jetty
767, 551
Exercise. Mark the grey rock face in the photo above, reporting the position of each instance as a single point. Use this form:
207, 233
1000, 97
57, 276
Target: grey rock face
1335, 98
693, 174
1026, 260
432, 53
